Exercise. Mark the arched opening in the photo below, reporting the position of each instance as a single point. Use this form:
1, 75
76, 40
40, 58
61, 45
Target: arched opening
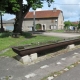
38, 27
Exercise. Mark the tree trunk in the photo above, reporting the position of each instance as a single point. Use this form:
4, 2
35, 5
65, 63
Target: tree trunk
20, 17
18, 24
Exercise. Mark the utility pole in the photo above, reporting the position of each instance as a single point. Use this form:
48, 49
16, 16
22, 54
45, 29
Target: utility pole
2, 29
34, 21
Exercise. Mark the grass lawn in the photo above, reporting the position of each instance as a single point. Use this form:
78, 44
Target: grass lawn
9, 53
7, 42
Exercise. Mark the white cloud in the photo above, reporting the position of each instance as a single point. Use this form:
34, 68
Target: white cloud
8, 16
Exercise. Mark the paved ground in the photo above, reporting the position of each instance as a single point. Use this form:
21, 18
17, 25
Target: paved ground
11, 69
64, 35
73, 74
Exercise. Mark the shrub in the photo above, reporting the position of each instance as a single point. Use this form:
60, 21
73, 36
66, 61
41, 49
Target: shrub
27, 34
38, 26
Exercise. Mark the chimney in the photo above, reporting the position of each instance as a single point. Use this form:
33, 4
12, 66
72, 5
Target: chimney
54, 9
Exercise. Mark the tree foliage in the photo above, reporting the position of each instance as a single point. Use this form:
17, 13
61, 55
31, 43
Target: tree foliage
13, 6
9, 6
38, 26
67, 24
74, 24
79, 25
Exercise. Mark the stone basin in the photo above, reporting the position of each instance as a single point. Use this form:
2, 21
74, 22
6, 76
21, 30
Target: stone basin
22, 50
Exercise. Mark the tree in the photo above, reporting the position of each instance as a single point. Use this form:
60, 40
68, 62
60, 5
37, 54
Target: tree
38, 26
19, 9
2, 11
79, 25
67, 24
74, 24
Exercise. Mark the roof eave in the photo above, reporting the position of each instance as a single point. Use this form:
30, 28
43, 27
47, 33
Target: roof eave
42, 18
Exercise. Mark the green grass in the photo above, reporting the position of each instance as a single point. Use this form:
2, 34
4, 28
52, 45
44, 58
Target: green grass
6, 41
9, 53
9, 41
39, 39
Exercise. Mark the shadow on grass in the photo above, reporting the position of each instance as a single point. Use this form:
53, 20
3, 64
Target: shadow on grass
27, 34
24, 34
5, 34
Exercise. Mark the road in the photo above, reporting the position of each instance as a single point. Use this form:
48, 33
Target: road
73, 74
64, 35
14, 70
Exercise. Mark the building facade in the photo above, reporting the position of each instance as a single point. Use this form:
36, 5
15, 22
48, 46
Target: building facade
49, 20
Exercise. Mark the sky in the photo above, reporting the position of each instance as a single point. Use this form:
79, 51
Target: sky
70, 8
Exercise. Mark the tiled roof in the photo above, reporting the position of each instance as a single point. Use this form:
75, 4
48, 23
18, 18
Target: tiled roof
77, 22
44, 14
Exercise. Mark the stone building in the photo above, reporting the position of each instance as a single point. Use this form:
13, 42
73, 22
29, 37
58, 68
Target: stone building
48, 20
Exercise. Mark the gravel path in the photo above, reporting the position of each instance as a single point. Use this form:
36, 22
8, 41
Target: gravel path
64, 35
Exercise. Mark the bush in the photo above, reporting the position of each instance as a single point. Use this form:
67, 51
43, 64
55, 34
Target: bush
38, 26
5, 34
27, 34
79, 25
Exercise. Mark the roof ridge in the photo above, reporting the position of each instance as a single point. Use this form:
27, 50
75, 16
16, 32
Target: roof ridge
44, 10
43, 14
